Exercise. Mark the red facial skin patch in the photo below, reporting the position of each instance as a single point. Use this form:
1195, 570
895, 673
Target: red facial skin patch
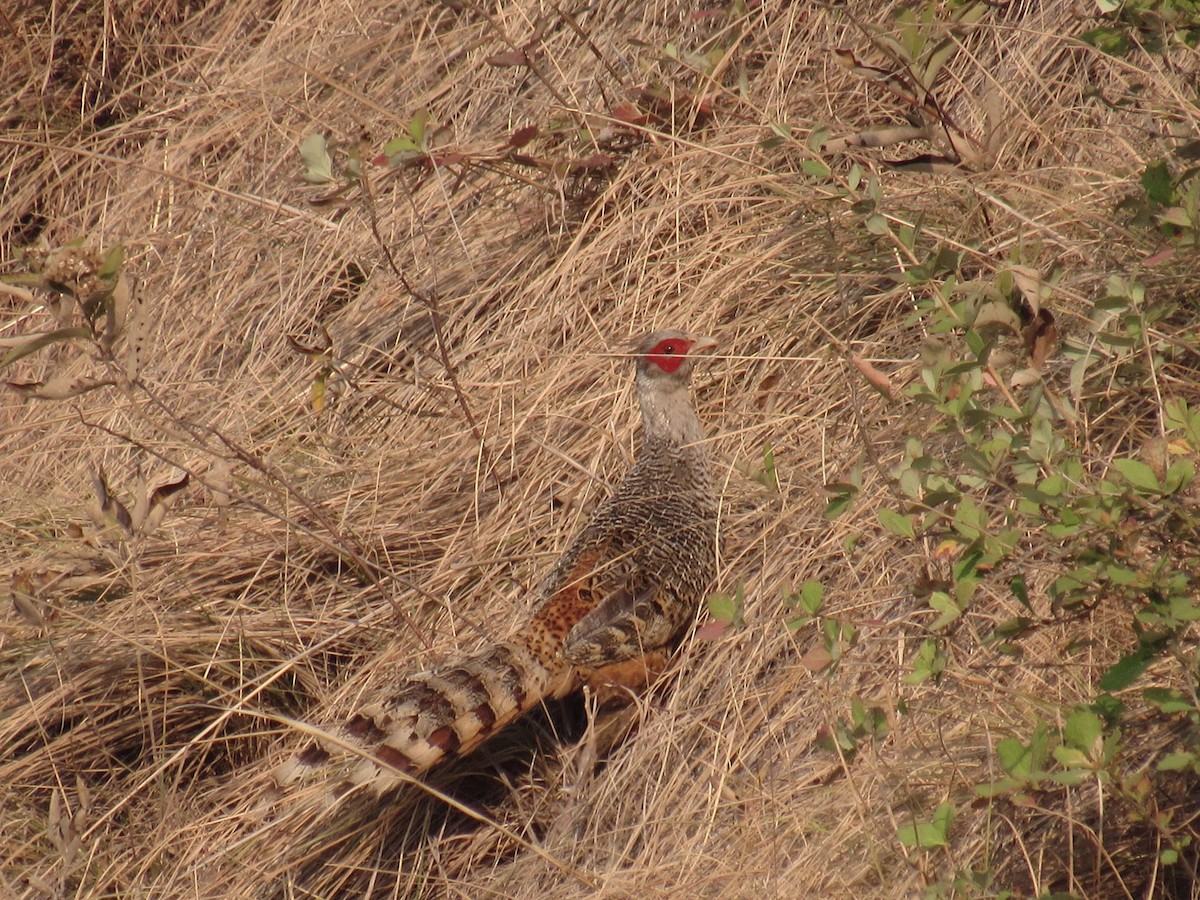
668, 355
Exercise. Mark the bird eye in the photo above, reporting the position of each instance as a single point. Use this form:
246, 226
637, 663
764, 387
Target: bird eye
668, 355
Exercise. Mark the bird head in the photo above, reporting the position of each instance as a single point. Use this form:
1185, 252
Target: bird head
667, 357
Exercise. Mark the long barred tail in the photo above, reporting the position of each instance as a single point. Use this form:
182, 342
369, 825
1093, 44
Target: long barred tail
431, 717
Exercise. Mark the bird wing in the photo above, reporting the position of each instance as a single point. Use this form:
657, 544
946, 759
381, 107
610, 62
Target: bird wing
629, 621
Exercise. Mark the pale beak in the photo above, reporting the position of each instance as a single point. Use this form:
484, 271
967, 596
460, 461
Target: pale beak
702, 344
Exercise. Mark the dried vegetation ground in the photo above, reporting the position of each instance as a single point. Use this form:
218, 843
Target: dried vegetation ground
353, 511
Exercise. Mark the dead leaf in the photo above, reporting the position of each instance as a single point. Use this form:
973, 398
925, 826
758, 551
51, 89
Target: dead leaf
883, 136
1024, 377
630, 114
766, 390
895, 81
1029, 283
595, 161
118, 310
712, 630
107, 507
1003, 358
60, 387
522, 136
507, 59
877, 379
317, 351
1041, 338
28, 609
445, 159
816, 659
1155, 453
947, 550
1159, 256
160, 501
996, 314
135, 336
1180, 447
927, 163
850, 61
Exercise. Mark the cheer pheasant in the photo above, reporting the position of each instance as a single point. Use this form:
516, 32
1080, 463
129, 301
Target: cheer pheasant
623, 589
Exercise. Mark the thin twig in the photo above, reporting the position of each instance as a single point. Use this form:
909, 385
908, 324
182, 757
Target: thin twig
433, 308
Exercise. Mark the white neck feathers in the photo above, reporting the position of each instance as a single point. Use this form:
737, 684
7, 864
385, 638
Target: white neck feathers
667, 412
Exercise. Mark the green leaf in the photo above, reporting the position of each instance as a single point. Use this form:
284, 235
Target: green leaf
769, 477
938, 58
896, 523
1179, 475
854, 179
930, 663
1156, 181
1063, 531
812, 594
1042, 441
112, 261
996, 788
1121, 575
400, 145
1072, 775
944, 604
969, 520
1184, 609
1109, 707
1139, 475
1053, 486
817, 139
876, 224
1168, 700
1112, 41
837, 505
816, 168
934, 833
1015, 758
416, 127
1070, 758
1079, 374
1126, 671
1176, 412
1009, 629
1176, 762
968, 568
1020, 591
724, 608
316, 160
964, 591
1082, 730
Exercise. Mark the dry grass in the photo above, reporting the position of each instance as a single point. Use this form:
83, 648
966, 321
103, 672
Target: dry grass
155, 697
